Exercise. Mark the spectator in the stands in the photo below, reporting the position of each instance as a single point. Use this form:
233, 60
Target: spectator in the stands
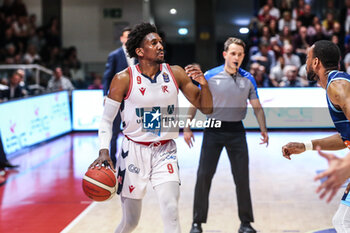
276, 73
301, 43
31, 56
97, 82
275, 46
53, 36
289, 57
307, 17
291, 78
74, 68
10, 54
58, 82
299, 9
55, 58
320, 34
14, 89
328, 23
264, 57
344, 18
288, 21
311, 30
330, 7
273, 26
265, 34
21, 32
273, 11
264, 15
285, 5
259, 74
286, 36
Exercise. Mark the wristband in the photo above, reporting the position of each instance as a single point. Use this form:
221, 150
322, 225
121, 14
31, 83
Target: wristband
308, 145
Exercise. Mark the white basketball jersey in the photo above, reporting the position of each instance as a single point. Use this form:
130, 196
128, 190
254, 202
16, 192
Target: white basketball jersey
149, 110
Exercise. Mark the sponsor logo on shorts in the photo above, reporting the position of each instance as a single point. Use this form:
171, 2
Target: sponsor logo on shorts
166, 154
169, 157
131, 188
132, 168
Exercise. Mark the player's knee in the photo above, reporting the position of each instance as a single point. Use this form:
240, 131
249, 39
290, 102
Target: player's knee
171, 210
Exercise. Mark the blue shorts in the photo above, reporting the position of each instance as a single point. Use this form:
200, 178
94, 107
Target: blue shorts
346, 197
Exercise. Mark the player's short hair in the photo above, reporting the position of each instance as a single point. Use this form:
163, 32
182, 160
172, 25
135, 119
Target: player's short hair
328, 53
233, 40
136, 36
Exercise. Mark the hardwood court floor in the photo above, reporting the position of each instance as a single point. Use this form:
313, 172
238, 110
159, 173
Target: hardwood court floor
45, 195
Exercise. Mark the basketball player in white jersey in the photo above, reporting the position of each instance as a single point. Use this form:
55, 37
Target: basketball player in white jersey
146, 95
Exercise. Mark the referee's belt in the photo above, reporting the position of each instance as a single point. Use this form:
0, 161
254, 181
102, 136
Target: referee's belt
156, 143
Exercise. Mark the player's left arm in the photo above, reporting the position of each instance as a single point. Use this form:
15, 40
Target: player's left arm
260, 116
339, 94
200, 98
339, 168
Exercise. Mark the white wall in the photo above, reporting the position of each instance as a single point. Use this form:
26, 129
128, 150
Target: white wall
83, 26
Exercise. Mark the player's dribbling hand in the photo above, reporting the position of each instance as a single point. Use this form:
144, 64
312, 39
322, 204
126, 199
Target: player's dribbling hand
188, 137
103, 160
196, 74
292, 148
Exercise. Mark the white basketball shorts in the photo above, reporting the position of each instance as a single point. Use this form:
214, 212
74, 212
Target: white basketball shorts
138, 164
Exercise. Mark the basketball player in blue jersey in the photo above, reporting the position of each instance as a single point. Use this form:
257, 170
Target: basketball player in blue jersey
146, 95
322, 66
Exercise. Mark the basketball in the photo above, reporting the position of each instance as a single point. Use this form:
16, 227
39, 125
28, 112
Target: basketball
99, 184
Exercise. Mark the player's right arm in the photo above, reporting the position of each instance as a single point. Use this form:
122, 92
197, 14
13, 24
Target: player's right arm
118, 89
339, 94
333, 142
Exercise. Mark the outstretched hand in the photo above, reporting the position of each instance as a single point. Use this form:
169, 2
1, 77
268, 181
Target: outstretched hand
337, 173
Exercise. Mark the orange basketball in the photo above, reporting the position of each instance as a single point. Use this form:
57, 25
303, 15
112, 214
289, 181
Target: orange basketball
99, 184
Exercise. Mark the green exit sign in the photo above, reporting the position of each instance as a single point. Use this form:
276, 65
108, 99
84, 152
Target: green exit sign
114, 13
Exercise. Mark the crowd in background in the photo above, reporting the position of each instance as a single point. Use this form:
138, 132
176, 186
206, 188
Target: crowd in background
279, 36
22, 41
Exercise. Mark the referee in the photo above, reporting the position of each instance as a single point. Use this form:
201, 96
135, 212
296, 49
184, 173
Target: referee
231, 86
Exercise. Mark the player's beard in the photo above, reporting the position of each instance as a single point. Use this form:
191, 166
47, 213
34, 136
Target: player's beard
160, 61
311, 75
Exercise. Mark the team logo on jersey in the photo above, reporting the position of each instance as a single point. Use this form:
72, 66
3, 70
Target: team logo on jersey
166, 77
171, 109
142, 90
152, 120
165, 89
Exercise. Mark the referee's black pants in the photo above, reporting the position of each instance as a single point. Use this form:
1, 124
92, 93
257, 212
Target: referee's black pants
236, 146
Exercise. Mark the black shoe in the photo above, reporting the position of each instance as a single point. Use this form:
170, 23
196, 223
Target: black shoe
9, 165
246, 228
196, 228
